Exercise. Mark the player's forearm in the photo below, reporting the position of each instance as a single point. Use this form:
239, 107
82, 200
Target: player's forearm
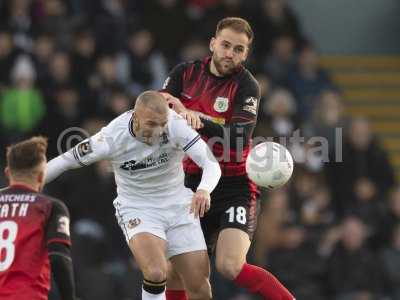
203, 157
61, 267
210, 176
238, 134
60, 164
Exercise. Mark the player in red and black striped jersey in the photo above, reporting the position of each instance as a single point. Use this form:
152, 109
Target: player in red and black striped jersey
34, 229
220, 98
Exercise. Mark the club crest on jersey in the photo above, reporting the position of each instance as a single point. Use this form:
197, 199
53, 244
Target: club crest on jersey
221, 104
132, 223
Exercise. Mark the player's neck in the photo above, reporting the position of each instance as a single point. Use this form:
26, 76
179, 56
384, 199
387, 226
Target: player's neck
25, 183
213, 69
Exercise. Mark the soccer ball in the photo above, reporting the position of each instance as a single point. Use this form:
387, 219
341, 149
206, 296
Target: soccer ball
269, 165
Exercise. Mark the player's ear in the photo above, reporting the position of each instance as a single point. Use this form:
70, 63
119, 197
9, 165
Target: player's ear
7, 172
212, 43
41, 176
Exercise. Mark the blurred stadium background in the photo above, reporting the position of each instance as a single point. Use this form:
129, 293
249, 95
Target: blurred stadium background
333, 233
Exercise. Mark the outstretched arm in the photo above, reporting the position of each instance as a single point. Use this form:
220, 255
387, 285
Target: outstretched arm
85, 153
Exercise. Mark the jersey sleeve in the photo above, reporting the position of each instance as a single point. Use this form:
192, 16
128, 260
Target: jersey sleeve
181, 133
58, 230
246, 100
93, 149
173, 83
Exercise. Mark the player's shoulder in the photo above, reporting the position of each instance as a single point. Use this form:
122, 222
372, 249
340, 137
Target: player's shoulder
122, 119
49, 203
189, 65
55, 204
174, 118
247, 79
176, 124
119, 124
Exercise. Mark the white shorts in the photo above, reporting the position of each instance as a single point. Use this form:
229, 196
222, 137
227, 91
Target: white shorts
175, 225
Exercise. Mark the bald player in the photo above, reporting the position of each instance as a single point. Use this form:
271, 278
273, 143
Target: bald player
157, 214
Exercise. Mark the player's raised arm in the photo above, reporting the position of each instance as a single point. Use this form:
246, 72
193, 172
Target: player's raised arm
85, 153
244, 117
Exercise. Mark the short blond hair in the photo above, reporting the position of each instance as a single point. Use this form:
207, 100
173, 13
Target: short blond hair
236, 24
24, 157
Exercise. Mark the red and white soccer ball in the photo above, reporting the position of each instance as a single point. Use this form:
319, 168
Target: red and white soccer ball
269, 165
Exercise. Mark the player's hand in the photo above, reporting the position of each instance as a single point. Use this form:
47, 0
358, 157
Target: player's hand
174, 103
200, 203
192, 118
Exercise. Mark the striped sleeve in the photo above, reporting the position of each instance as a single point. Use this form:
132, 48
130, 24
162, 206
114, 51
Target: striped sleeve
91, 150
181, 133
191, 143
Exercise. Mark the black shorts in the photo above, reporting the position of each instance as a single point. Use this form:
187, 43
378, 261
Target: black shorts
233, 205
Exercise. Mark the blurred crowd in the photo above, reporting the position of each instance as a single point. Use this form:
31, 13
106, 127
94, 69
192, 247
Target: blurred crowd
332, 233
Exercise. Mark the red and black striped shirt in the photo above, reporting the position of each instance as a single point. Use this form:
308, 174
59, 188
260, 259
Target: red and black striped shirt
231, 100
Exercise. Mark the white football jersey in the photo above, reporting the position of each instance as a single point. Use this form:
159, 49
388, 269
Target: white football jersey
150, 175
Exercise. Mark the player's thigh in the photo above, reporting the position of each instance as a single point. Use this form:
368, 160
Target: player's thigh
185, 233
144, 231
149, 253
237, 225
232, 245
194, 269
174, 279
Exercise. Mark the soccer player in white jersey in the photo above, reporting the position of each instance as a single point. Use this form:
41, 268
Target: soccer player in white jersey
157, 214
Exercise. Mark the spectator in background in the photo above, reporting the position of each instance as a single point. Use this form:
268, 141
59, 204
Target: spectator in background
20, 22
8, 56
193, 50
304, 184
307, 80
176, 25
91, 251
103, 83
21, 106
353, 270
65, 112
316, 212
279, 114
83, 57
280, 60
391, 265
43, 49
111, 25
275, 212
116, 104
54, 18
367, 204
60, 74
275, 18
222, 9
391, 218
145, 67
327, 117
365, 166
297, 262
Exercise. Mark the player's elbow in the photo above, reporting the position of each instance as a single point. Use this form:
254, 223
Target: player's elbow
217, 170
